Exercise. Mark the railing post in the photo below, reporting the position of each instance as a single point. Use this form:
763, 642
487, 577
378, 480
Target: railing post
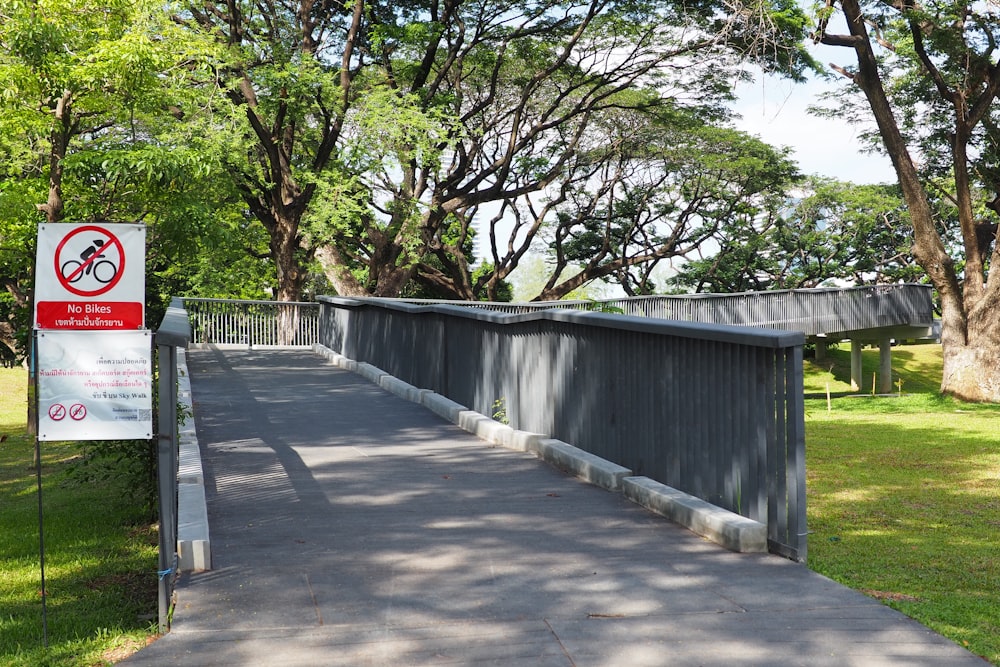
167, 477
796, 467
174, 332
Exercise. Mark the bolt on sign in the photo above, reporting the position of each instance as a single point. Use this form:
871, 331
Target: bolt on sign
95, 385
90, 276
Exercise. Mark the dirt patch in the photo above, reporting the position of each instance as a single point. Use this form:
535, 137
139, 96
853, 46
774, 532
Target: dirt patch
889, 596
125, 649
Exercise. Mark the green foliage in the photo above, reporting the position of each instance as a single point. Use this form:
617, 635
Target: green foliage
532, 273
130, 461
673, 183
119, 74
833, 232
500, 411
438, 116
928, 72
17, 249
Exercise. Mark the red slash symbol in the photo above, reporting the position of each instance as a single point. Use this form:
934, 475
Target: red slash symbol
57, 412
78, 411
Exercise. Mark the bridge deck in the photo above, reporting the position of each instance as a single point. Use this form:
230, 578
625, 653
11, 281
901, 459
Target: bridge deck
351, 527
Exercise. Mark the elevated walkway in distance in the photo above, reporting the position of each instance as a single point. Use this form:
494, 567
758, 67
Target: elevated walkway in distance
866, 313
876, 314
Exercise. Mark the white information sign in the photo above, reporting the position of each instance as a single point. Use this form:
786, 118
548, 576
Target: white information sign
95, 385
90, 276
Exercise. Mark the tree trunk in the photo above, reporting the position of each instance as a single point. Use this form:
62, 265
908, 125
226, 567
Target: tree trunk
291, 276
62, 132
336, 271
972, 370
970, 329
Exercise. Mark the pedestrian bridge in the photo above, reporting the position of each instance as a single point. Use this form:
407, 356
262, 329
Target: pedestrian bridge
878, 315
353, 527
701, 393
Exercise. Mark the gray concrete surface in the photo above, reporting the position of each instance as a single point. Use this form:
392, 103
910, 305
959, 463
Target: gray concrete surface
351, 527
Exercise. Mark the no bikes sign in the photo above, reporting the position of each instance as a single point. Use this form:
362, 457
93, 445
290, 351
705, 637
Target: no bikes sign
90, 276
93, 355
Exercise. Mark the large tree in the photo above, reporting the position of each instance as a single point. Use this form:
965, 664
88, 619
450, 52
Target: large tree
662, 192
376, 136
91, 130
930, 75
827, 232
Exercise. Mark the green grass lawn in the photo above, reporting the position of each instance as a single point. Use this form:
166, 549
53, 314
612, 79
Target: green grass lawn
904, 496
101, 563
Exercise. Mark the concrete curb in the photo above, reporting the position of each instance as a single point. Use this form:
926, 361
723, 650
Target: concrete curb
338, 360
721, 526
194, 545
585, 465
731, 530
402, 389
441, 406
370, 372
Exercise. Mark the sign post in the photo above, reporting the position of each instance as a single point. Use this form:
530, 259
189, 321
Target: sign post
92, 353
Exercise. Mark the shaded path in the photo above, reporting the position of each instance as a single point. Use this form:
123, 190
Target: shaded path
350, 527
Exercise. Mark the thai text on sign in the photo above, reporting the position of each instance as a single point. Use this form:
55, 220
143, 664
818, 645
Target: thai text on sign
95, 385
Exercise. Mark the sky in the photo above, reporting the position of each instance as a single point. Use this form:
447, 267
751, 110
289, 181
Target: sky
775, 110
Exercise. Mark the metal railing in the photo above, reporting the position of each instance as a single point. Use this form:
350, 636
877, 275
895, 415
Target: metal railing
812, 311
174, 332
714, 411
253, 323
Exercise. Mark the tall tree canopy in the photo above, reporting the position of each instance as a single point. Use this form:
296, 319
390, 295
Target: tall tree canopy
930, 75
829, 233
375, 136
91, 94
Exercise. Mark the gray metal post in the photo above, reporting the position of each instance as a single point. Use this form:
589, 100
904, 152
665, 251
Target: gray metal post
167, 477
174, 332
797, 457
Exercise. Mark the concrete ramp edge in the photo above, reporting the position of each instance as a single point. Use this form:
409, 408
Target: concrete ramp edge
194, 545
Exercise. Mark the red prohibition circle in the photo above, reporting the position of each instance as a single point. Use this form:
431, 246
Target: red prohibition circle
112, 241
57, 412
77, 411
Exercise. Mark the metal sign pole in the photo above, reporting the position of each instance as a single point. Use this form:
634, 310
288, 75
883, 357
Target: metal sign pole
41, 522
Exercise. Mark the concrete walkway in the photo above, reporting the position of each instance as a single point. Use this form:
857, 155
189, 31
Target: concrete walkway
351, 527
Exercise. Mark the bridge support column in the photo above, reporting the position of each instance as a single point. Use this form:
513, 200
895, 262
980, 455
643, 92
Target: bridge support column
856, 346
820, 349
885, 366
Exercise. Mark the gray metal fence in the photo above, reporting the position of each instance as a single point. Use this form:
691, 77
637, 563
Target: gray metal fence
714, 411
253, 323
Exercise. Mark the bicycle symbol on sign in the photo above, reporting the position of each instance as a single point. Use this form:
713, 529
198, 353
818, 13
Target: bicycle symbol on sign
102, 269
